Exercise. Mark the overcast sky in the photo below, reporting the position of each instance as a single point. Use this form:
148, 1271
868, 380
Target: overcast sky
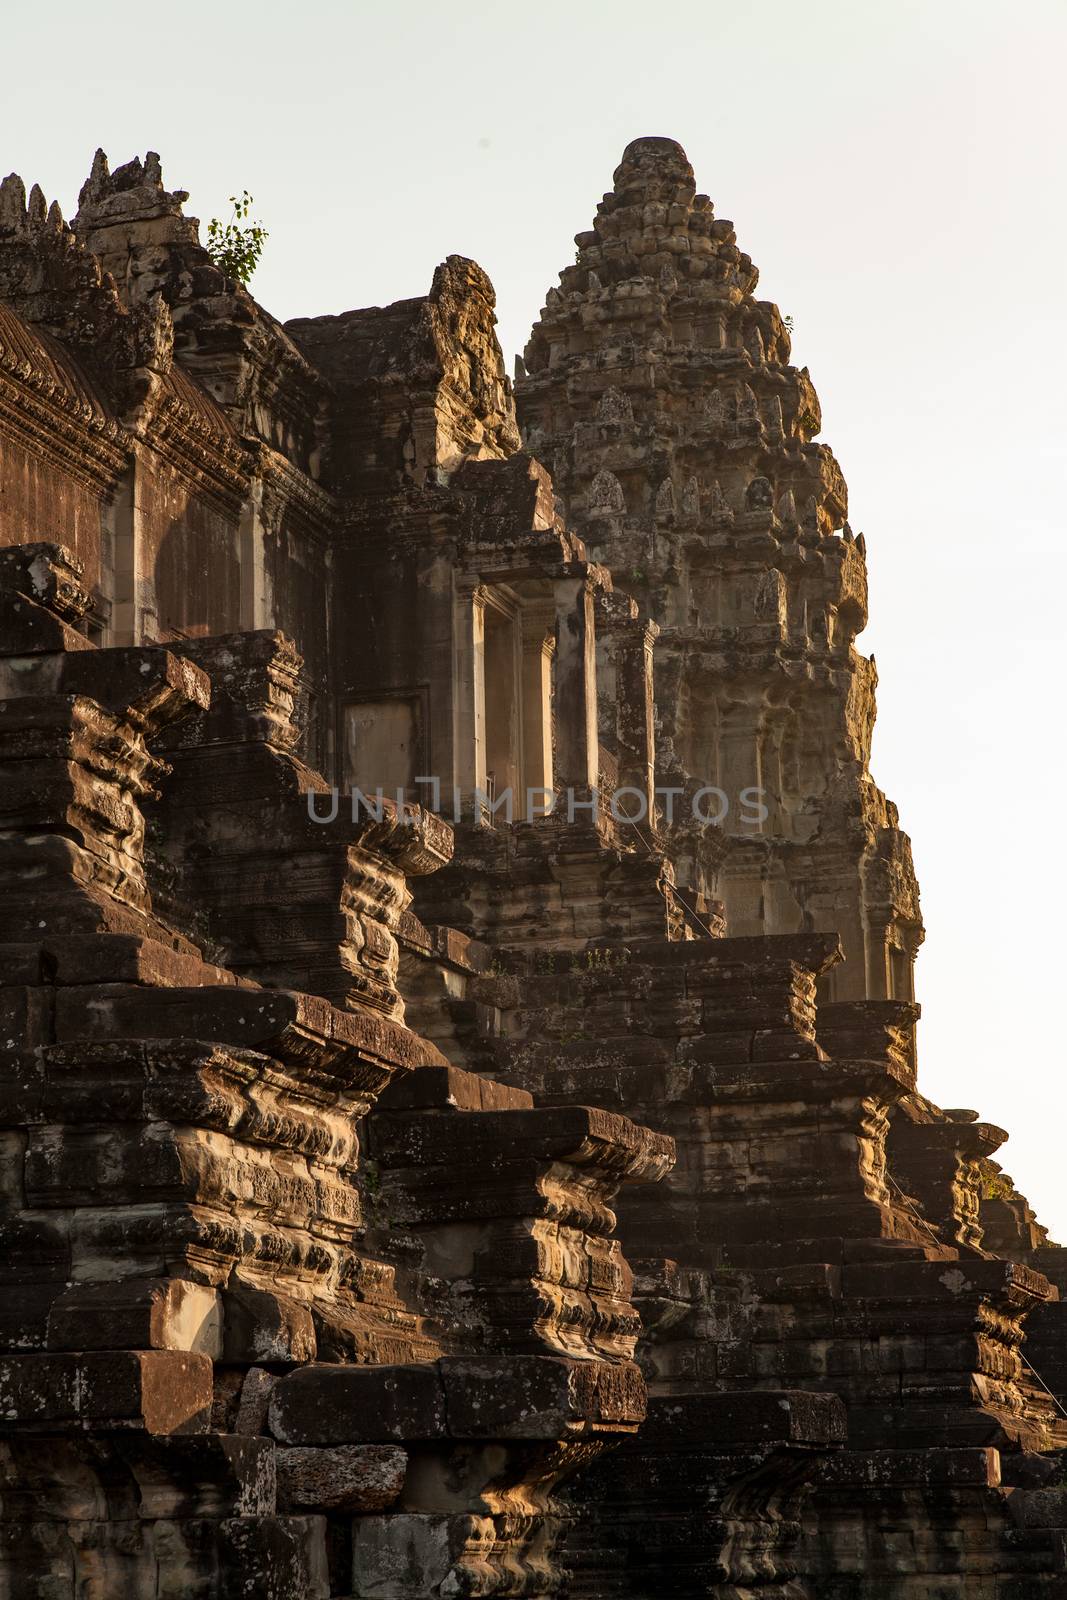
896, 171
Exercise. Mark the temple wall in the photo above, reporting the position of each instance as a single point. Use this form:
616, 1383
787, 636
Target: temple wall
190, 553
36, 493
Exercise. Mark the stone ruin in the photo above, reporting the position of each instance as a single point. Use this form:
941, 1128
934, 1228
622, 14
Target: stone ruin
406, 1195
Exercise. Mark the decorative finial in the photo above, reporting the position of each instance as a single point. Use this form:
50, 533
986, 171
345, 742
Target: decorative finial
37, 210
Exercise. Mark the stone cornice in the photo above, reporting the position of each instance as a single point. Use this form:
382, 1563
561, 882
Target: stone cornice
208, 461
89, 446
288, 483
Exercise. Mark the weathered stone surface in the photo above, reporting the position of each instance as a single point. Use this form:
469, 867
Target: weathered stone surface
340, 1478
154, 1314
536, 1397
331, 1405
161, 1391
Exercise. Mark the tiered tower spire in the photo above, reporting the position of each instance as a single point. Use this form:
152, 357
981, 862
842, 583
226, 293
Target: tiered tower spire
661, 395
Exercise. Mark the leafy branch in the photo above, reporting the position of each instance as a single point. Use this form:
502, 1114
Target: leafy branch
237, 245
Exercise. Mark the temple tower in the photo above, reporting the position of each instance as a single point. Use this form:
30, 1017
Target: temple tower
659, 393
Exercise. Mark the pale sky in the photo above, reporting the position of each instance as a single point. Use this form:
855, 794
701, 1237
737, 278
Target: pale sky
895, 170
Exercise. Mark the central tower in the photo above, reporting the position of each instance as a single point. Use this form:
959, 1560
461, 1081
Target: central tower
660, 394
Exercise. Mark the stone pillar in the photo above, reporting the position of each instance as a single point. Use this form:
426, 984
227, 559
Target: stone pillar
739, 765
577, 753
468, 689
123, 578
636, 713
256, 609
630, 642
538, 647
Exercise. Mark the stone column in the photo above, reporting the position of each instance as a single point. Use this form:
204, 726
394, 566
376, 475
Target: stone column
122, 577
577, 755
739, 765
468, 689
876, 955
538, 647
636, 712
630, 641
256, 609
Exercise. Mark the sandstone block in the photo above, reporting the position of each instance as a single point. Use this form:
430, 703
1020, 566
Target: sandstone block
729, 1421
137, 1314
326, 1405
344, 1477
263, 1325
254, 1400
539, 1397
273, 1558
160, 1391
408, 1557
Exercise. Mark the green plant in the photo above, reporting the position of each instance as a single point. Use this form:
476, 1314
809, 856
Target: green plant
600, 959
994, 1187
787, 324
237, 245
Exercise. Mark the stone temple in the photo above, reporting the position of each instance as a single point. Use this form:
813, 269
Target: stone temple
443, 1192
